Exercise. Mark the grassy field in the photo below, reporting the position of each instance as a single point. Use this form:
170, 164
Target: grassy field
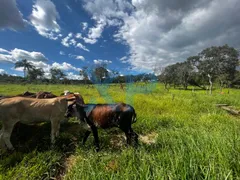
183, 135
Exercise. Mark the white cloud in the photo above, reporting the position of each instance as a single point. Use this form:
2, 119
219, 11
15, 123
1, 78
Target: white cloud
80, 57
2, 71
124, 59
105, 13
71, 75
78, 36
159, 32
79, 45
65, 41
70, 41
44, 18
4, 51
10, 16
84, 25
65, 66
100, 61
62, 53
89, 41
20, 54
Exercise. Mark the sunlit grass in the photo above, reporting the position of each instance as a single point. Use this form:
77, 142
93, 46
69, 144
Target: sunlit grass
195, 139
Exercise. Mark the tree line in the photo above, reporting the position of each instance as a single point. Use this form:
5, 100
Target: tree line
212, 65
216, 64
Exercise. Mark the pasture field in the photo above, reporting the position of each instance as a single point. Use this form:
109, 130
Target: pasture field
183, 135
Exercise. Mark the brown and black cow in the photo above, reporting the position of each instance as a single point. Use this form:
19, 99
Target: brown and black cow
105, 116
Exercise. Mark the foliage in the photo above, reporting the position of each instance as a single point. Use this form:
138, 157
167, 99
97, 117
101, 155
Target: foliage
35, 73
211, 64
25, 64
56, 74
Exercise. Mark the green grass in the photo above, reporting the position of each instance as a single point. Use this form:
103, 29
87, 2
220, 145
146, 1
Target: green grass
195, 139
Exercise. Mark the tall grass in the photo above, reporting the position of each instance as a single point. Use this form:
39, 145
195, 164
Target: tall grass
195, 139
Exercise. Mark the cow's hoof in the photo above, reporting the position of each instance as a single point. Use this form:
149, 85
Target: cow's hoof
97, 149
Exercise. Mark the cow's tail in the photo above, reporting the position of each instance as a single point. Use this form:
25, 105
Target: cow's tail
134, 117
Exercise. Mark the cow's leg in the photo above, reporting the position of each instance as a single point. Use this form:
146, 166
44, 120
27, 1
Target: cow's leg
87, 133
127, 132
135, 137
6, 134
55, 126
95, 135
2, 143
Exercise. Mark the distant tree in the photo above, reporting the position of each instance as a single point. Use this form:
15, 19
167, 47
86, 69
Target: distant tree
25, 64
84, 73
169, 76
35, 73
101, 73
56, 74
219, 63
184, 72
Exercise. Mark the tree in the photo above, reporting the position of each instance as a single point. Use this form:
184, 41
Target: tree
56, 74
25, 64
101, 73
35, 73
219, 63
84, 73
169, 75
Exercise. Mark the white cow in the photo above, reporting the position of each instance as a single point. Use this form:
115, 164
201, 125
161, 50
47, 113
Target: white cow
30, 111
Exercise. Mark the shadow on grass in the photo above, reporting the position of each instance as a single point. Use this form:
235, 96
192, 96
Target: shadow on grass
30, 141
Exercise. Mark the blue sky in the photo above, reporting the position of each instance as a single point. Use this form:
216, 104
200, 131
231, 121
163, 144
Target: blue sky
129, 36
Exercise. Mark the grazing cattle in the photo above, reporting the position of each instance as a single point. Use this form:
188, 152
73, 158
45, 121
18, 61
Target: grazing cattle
105, 116
76, 97
45, 95
28, 94
29, 111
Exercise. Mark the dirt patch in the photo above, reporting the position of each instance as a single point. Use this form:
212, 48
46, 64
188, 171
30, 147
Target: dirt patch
118, 141
149, 138
70, 162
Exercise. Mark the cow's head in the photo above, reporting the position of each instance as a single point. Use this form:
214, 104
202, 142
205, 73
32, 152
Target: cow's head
76, 110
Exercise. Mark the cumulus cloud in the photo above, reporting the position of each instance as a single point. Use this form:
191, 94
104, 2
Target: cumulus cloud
65, 66
105, 13
16, 54
100, 61
2, 71
78, 35
44, 18
3, 51
10, 16
71, 75
80, 57
178, 30
159, 32
70, 41
84, 25
79, 45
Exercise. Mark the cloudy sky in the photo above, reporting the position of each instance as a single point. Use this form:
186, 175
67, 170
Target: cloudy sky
131, 36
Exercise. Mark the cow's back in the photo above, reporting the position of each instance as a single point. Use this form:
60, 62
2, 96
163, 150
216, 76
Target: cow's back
28, 110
